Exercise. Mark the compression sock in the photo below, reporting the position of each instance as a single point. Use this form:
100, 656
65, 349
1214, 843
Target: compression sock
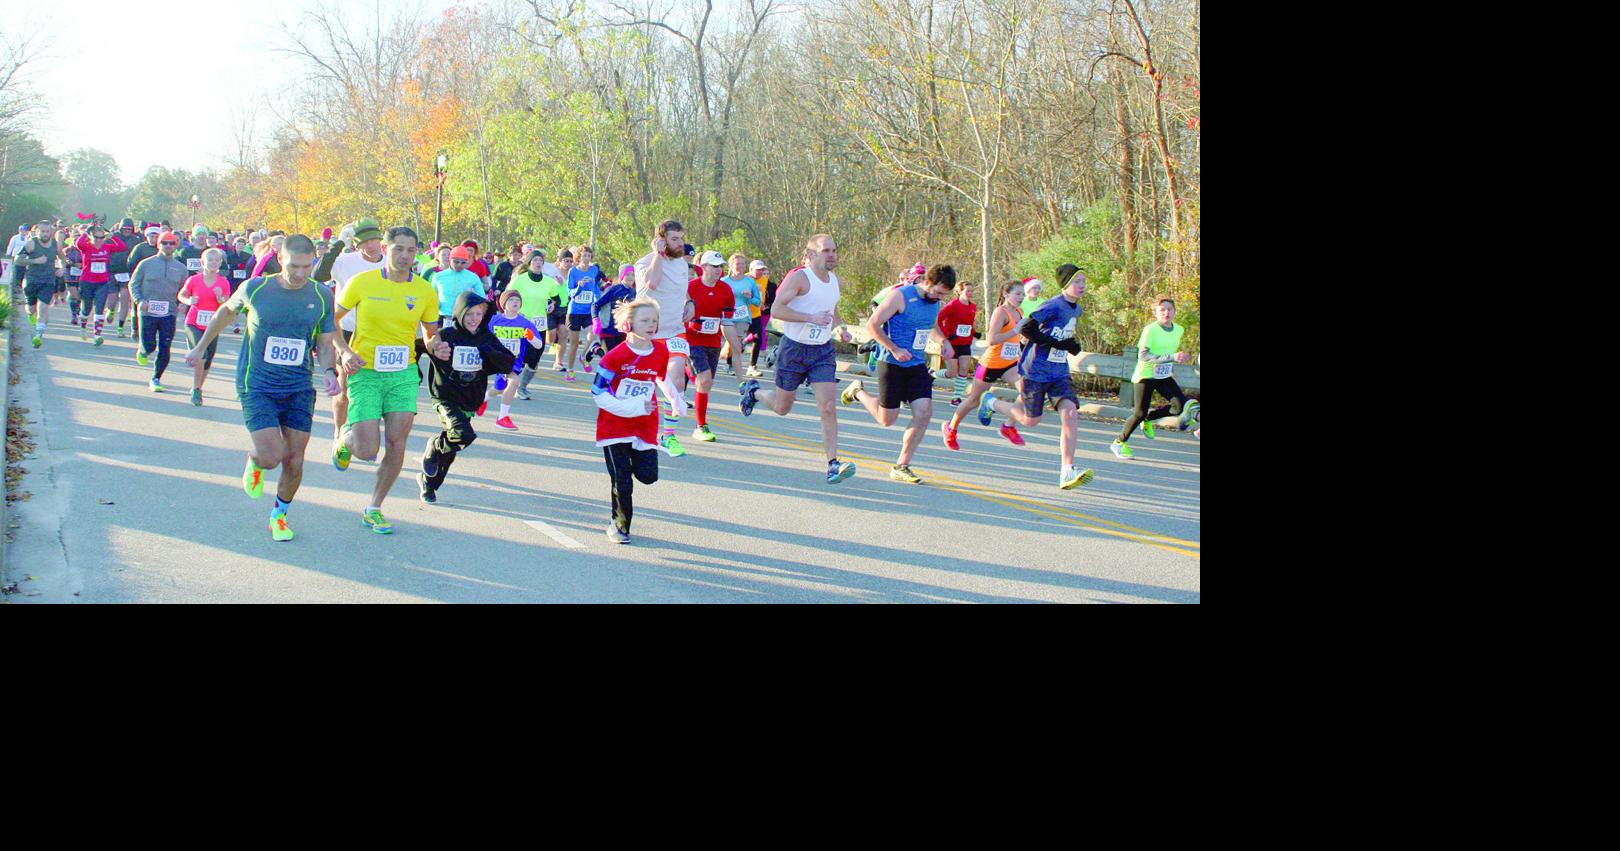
702, 409
98, 325
961, 387
280, 508
506, 410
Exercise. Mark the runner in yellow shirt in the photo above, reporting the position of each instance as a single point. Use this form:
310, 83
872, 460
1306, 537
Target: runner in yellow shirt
390, 310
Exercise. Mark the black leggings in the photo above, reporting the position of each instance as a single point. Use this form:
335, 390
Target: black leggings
93, 297
624, 462
193, 334
761, 322
458, 434
157, 332
1168, 388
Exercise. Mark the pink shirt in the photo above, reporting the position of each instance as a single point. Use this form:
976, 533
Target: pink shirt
208, 296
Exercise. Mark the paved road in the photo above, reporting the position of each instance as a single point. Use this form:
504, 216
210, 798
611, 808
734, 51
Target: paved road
137, 498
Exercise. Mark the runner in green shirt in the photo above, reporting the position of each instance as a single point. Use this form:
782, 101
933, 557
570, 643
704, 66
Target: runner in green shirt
1158, 353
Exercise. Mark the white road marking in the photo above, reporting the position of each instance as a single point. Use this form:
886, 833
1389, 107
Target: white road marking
555, 535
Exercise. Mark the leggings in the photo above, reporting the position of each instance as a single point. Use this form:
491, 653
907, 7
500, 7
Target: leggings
157, 332
94, 296
1167, 388
193, 334
761, 341
626, 464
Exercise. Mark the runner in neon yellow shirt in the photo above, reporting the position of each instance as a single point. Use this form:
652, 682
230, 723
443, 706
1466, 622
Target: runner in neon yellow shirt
1160, 351
390, 310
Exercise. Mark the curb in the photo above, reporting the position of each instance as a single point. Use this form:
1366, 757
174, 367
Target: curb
5, 415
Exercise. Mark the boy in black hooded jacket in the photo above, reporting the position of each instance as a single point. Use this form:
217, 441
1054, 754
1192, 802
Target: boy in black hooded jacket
459, 385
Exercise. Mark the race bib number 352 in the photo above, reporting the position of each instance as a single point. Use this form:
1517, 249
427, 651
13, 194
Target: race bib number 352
391, 358
285, 351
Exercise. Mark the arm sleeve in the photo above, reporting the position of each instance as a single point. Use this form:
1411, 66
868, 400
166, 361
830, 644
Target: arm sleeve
323, 272
497, 359
1031, 329
627, 408
137, 279
117, 243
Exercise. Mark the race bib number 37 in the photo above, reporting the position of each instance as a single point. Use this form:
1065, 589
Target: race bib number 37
819, 333
285, 351
920, 339
391, 358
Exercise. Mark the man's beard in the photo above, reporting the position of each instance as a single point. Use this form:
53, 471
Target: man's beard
672, 251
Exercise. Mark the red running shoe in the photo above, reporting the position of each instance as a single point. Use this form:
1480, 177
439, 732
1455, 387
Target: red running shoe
1011, 433
482, 407
950, 436
506, 423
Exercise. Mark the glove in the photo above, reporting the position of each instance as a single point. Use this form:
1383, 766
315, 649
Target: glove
347, 233
500, 382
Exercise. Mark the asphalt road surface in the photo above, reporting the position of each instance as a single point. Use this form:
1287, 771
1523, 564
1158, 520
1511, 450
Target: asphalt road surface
137, 497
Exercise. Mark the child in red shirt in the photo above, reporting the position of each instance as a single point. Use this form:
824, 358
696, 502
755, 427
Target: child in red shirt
955, 324
627, 416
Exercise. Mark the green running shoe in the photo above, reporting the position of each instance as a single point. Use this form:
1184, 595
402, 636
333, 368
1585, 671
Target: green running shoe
1073, 478
375, 521
253, 479
279, 531
702, 433
37, 341
196, 397
99, 341
340, 452
672, 445
854, 386
1189, 414
1120, 450
1147, 429
155, 386
140, 358
902, 473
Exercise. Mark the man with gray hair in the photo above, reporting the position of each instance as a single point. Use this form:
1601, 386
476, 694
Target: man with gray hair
155, 287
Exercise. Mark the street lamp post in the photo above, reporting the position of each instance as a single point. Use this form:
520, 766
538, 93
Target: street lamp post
195, 205
441, 169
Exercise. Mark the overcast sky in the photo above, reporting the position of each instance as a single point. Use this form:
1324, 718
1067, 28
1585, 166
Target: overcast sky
151, 84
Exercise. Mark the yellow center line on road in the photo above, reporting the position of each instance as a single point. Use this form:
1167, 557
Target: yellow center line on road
1074, 518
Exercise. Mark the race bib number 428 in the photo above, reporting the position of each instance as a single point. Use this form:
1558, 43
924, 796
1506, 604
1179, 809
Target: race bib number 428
1163, 370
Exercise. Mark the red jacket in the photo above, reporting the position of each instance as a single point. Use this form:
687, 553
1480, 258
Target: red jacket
96, 258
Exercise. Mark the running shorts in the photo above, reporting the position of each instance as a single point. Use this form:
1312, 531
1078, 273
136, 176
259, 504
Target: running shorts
1036, 394
373, 394
797, 362
898, 385
294, 410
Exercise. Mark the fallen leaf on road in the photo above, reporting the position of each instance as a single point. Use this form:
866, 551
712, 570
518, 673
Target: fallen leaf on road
9, 588
30, 579
105, 501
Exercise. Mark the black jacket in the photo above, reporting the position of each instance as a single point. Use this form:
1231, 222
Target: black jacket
466, 390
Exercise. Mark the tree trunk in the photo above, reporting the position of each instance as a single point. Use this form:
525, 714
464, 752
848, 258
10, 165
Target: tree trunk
985, 200
1127, 180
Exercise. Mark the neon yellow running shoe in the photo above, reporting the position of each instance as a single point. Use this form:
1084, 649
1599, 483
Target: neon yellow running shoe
1073, 478
340, 453
253, 479
140, 356
1120, 450
902, 473
1147, 430
673, 446
850, 390
279, 530
702, 433
374, 520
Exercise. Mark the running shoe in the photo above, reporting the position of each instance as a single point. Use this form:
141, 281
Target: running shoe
121, 335
770, 357
253, 479
986, 413
427, 494
1073, 478
837, 472
236, 329
940, 375
524, 395
155, 386
84, 332
482, 407
279, 530
956, 401
854, 386
37, 341
1010, 432
672, 446
1199, 432
196, 398
1189, 413
753, 372
570, 377
1120, 450
140, 357
561, 368
616, 536
99, 341
902, 473
950, 436
430, 464
506, 423
340, 452
1147, 429
750, 397
374, 520
702, 433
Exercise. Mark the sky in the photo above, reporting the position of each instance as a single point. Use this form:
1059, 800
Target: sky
104, 58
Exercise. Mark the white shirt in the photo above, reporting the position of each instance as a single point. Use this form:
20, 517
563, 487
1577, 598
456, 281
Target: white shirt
349, 264
16, 244
670, 294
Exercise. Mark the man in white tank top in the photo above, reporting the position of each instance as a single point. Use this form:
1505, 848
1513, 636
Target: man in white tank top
662, 276
807, 304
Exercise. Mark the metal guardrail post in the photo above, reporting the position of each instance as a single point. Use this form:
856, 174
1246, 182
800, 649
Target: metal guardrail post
1127, 390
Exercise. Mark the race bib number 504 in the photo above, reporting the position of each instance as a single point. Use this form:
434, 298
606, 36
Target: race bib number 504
391, 358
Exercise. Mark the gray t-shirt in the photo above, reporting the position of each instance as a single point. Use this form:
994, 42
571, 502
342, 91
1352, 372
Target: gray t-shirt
40, 273
283, 327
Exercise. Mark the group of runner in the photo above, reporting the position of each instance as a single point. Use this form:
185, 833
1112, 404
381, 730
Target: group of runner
368, 311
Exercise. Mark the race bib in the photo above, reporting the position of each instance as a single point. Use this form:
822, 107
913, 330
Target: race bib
678, 346
157, 308
513, 345
1057, 356
391, 358
584, 297
239, 274
121, 277
466, 359
710, 325
285, 351
964, 331
204, 317
920, 340
98, 268
630, 388
75, 270
818, 333
194, 264
1010, 351
1163, 370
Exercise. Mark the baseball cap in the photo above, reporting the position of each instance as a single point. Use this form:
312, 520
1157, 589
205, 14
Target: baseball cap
199, 230
712, 258
367, 229
757, 266
690, 250
170, 237
461, 252
152, 230
22, 228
